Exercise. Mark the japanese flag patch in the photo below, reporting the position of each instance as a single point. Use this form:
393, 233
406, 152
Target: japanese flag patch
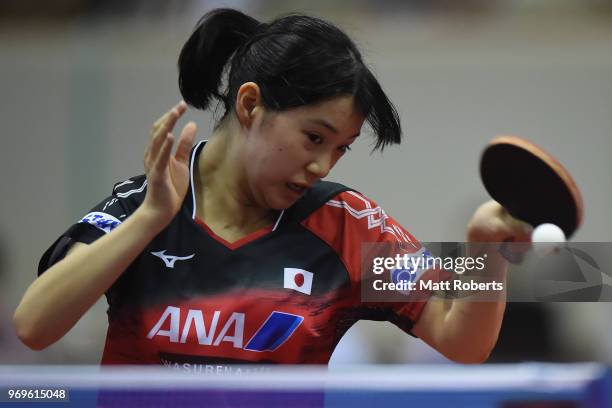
298, 279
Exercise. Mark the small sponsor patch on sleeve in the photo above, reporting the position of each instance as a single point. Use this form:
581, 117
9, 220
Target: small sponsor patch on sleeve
415, 264
103, 221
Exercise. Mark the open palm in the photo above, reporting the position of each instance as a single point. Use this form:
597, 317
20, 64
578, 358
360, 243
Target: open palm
168, 174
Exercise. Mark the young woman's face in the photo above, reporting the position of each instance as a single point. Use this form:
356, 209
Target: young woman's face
287, 152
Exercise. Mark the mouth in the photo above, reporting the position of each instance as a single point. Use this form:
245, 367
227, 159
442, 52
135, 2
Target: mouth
297, 188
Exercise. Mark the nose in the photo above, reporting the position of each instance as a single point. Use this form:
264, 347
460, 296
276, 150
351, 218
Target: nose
321, 166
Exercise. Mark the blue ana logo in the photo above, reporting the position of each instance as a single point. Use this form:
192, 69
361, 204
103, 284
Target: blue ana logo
277, 328
102, 221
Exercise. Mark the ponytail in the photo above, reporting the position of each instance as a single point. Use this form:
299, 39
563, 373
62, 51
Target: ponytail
295, 60
214, 40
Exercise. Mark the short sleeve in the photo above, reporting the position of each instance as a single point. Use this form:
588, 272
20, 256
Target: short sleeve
346, 222
99, 221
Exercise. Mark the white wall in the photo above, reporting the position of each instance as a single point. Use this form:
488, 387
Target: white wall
79, 99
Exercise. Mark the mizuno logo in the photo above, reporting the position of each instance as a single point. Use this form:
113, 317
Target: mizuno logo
169, 260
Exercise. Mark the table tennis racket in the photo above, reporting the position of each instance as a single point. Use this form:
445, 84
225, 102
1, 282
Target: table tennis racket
531, 184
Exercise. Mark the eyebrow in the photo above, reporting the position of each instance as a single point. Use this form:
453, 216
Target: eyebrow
328, 125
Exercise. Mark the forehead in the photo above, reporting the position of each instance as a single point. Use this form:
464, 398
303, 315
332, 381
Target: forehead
341, 112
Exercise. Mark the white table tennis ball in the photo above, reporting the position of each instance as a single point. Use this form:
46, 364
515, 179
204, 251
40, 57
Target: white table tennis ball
547, 238
547, 233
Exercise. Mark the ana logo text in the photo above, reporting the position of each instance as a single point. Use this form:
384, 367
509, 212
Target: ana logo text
273, 332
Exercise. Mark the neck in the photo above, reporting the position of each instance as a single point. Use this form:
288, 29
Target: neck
223, 199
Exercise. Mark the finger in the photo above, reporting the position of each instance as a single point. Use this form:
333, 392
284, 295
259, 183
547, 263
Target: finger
171, 120
159, 122
181, 108
164, 154
175, 113
171, 115
519, 241
159, 131
520, 231
147, 153
147, 156
159, 136
185, 143
524, 232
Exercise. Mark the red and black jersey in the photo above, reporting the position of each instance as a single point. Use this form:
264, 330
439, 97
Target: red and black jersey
285, 294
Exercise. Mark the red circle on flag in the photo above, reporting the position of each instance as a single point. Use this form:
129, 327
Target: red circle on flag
298, 279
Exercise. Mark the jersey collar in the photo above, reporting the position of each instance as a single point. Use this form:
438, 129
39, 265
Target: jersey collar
190, 202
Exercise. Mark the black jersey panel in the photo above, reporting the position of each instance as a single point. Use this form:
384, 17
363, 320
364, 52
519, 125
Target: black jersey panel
81, 232
184, 262
317, 196
109, 213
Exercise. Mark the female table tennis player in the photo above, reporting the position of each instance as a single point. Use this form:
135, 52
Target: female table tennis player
234, 250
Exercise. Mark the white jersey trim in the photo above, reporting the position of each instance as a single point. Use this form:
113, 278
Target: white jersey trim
278, 220
376, 217
192, 184
134, 191
128, 181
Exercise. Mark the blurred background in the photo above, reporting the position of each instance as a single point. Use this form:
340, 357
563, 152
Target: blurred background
83, 80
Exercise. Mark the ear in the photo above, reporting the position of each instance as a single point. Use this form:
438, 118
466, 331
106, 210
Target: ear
248, 103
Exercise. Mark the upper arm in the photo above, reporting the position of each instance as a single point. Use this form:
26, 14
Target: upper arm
443, 329
100, 220
75, 247
429, 326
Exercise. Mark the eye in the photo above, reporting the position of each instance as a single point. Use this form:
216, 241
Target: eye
314, 138
345, 148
